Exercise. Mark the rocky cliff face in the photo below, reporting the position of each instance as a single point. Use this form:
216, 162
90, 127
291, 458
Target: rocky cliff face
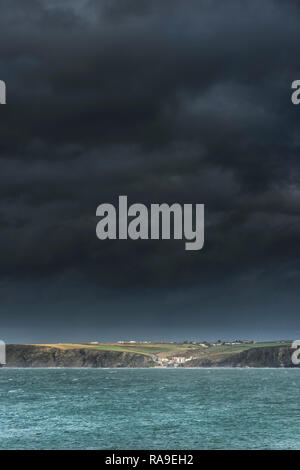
275, 356
18, 355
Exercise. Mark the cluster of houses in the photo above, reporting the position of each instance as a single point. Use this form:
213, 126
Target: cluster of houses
174, 361
230, 343
134, 342
204, 344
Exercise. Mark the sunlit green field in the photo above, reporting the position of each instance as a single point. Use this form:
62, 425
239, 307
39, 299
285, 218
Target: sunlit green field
139, 348
167, 349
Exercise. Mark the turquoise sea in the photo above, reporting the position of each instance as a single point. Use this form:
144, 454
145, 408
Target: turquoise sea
149, 409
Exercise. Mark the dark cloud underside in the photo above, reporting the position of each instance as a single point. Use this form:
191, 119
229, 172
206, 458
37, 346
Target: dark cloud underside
165, 102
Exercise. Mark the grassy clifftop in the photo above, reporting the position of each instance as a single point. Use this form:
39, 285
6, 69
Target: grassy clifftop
19, 355
165, 349
149, 355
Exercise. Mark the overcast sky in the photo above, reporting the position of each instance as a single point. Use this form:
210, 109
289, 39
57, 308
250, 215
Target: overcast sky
169, 101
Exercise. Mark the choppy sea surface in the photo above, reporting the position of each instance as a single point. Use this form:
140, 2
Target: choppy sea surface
149, 409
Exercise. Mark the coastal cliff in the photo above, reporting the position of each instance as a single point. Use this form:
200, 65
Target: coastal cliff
19, 355
275, 356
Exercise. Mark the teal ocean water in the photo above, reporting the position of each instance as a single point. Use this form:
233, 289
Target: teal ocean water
149, 409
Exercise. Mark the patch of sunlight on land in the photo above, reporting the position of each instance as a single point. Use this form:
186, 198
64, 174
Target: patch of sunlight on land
165, 349
139, 348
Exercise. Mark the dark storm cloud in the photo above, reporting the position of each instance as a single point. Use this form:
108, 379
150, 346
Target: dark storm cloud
165, 102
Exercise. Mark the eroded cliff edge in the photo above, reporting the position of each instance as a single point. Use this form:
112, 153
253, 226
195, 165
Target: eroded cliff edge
18, 355
47, 356
275, 356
